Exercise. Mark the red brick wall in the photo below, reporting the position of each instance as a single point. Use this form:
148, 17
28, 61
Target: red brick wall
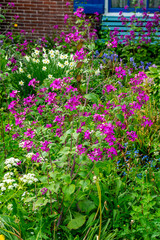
40, 15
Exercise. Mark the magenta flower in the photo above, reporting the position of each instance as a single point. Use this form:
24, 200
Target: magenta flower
80, 149
14, 136
29, 133
13, 94
132, 135
8, 127
44, 190
19, 163
126, 7
87, 134
45, 146
73, 102
33, 82
111, 152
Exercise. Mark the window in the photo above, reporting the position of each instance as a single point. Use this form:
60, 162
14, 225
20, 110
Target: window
118, 5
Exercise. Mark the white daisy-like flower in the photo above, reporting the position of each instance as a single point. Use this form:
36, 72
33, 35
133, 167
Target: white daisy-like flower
52, 56
71, 64
47, 61
45, 55
51, 52
44, 61
21, 70
29, 76
59, 64
27, 58
44, 68
57, 52
37, 61
62, 66
65, 56
44, 50
66, 63
33, 59
61, 56
10, 187
36, 52
21, 83
49, 76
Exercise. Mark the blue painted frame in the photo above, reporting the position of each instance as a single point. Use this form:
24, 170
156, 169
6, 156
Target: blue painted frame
151, 10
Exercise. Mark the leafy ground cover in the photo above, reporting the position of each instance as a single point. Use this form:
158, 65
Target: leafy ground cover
79, 135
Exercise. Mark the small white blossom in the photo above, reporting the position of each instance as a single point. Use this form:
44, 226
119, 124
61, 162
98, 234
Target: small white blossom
21, 83
49, 76
21, 70
44, 68
29, 76
36, 52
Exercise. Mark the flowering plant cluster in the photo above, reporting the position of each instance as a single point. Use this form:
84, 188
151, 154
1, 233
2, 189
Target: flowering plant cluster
79, 140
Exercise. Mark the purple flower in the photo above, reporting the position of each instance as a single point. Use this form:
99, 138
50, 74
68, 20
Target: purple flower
14, 136
45, 146
33, 82
132, 135
8, 127
44, 190
30, 133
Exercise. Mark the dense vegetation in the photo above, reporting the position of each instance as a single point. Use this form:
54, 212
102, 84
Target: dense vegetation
80, 131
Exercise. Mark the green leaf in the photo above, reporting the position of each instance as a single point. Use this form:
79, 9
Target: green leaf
86, 206
71, 189
93, 97
120, 117
77, 222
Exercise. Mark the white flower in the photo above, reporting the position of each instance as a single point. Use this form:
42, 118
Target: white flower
65, 56
61, 56
66, 63
71, 64
34, 60
97, 72
36, 52
3, 189
45, 55
44, 68
49, 76
47, 61
27, 58
62, 66
9, 207
57, 52
21, 144
44, 61
10, 187
15, 185
29, 178
21, 83
59, 64
52, 56
29, 75
21, 70
37, 61
51, 52
29, 155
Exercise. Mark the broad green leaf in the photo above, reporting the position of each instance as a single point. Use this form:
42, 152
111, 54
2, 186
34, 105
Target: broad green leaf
93, 97
77, 222
86, 205
71, 188
120, 117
